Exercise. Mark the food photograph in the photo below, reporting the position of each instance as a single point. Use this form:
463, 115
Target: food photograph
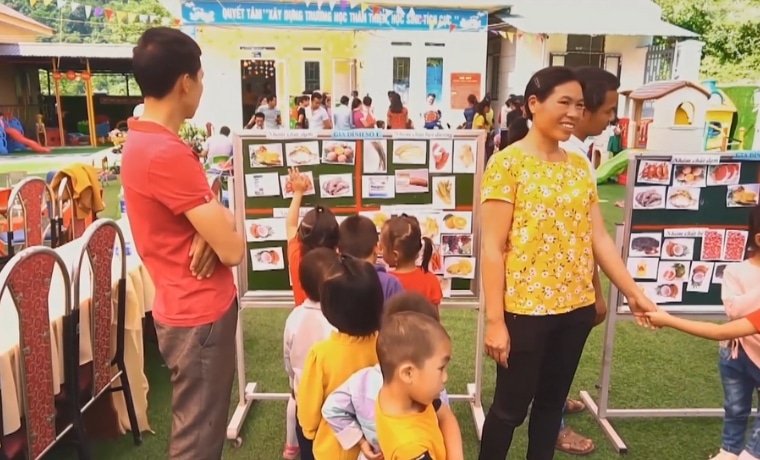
712, 244
654, 172
459, 267
683, 198
744, 195
412, 181
409, 152
440, 161
645, 245
456, 245
339, 152
302, 153
444, 192
735, 245
270, 229
650, 197
265, 155
678, 248
375, 156
689, 175
724, 174
465, 156
265, 259
335, 185
700, 277
643, 267
457, 222
672, 272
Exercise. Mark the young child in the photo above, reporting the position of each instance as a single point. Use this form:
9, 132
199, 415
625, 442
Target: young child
413, 351
350, 410
401, 242
318, 229
358, 238
739, 359
304, 327
352, 301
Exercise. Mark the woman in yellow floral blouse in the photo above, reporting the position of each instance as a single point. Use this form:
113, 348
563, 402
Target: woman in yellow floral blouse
542, 233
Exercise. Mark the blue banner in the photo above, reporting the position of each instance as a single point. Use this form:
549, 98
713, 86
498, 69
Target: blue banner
341, 16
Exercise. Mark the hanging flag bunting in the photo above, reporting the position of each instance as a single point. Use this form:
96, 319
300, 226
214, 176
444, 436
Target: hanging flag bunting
331, 3
344, 4
32, 3
109, 14
353, 3
60, 4
98, 12
91, 11
165, 21
319, 4
502, 34
363, 7
511, 36
375, 9
452, 27
74, 6
519, 35
87, 11
399, 11
131, 18
47, 2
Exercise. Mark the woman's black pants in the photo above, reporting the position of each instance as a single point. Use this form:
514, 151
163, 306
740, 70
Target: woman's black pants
543, 358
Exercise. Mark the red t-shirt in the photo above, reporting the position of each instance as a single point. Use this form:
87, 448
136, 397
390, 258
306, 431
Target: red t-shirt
426, 284
163, 179
294, 264
754, 318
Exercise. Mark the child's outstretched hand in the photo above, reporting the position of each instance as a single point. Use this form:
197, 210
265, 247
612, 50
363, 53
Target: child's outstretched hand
298, 181
659, 318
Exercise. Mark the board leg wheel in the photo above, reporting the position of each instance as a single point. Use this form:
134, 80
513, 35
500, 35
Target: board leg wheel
237, 442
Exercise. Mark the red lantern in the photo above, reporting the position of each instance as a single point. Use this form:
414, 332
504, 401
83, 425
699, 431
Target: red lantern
85, 76
71, 75
57, 76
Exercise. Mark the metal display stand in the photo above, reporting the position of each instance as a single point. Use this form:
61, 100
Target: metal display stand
250, 391
601, 410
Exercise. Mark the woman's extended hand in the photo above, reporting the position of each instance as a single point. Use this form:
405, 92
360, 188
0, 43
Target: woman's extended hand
497, 341
640, 306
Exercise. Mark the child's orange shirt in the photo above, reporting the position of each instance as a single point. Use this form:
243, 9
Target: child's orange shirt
294, 264
426, 284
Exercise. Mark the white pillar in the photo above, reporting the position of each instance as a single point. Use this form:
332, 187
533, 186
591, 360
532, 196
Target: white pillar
687, 60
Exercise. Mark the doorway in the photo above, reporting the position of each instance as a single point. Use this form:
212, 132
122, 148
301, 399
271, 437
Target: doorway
258, 79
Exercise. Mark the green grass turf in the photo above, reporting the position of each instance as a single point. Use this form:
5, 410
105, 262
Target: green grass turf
650, 369
57, 151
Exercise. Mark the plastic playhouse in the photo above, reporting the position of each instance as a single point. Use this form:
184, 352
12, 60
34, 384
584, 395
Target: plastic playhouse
12, 137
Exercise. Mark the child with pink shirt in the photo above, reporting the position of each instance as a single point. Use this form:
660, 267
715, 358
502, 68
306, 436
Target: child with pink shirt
739, 355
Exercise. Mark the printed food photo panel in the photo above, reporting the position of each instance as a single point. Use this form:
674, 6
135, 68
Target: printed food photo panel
689, 221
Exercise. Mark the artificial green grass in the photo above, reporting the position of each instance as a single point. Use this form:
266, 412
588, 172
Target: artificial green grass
662, 369
743, 98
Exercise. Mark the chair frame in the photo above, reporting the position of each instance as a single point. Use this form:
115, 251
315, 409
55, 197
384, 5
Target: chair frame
30, 236
40, 436
76, 230
102, 304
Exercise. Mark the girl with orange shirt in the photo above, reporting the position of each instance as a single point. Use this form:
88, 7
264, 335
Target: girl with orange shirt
401, 242
318, 229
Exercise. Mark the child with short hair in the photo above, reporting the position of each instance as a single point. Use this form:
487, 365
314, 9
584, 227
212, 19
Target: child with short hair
304, 327
318, 229
352, 302
413, 351
739, 359
358, 238
401, 241
350, 409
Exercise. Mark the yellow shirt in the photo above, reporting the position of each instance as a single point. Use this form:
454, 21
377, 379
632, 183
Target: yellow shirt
479, 122
329, 364
409, 437
550, 262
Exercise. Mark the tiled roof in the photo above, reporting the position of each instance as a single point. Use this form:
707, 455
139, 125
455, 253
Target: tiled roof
93, 51
656, 90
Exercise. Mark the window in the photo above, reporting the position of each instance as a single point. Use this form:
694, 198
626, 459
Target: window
434, 80
312, 76
584, 60
585, 43
401, 76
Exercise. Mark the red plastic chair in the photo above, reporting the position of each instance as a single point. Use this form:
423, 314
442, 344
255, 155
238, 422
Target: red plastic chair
38, 210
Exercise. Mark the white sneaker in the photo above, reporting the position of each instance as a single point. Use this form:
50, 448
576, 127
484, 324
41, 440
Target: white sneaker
723, 455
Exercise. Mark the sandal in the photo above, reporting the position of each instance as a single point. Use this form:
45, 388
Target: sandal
573, 406
572, 443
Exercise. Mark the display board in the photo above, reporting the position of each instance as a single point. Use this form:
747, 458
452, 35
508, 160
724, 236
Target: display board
431, 174
686, 222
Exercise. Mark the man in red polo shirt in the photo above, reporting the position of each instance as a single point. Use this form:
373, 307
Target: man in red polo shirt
187, 241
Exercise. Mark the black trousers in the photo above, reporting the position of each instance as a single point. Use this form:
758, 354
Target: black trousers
304, 445
544, 355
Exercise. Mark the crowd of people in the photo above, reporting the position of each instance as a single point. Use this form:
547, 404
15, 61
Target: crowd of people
365, 352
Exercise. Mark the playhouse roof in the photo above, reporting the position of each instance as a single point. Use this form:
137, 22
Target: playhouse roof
660, 89
12, 17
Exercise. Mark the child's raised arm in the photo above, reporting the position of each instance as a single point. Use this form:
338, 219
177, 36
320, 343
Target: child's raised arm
727, 331
339, 412
298, 182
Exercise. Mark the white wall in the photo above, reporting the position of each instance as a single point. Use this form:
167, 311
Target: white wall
461, 52
532, 55
507, 61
